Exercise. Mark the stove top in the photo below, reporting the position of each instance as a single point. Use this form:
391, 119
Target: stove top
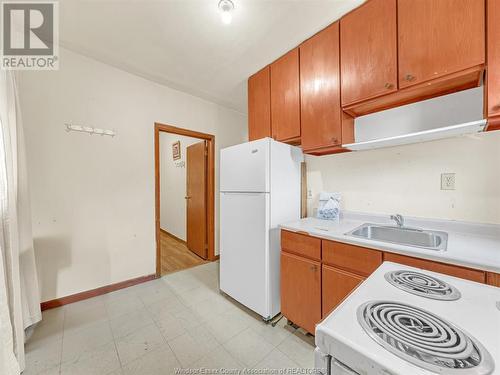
422, 285
423, 338
393, 329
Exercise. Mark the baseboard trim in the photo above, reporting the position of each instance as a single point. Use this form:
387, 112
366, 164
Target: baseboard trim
94, 292
172, 236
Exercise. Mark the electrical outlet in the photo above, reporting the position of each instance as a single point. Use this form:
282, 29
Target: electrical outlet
447, 181
309, 194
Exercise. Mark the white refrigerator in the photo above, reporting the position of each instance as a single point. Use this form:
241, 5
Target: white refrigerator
259, 189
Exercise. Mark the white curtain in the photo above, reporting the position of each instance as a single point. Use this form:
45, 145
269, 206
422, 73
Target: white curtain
19, 294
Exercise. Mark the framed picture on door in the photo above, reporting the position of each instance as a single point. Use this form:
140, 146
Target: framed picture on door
176, 150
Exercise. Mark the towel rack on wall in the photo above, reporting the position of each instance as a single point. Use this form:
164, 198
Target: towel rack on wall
89, 130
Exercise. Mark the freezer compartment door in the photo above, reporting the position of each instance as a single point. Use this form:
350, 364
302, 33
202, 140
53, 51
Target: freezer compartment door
245, 167
244, 246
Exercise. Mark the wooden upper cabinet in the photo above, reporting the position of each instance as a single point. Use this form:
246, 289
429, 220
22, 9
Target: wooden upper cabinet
439, 37
321, 118
368, 40
493, 73
285, 97
259, 105
301, 290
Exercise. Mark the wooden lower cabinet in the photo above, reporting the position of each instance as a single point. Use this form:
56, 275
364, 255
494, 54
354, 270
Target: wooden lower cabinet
447, 269
317, 275
301, 290
493, 279
336, 285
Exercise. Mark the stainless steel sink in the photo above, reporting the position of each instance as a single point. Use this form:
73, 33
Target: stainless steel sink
427, 239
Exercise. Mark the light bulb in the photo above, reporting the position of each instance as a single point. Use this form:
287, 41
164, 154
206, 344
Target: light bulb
226, 18
225, 8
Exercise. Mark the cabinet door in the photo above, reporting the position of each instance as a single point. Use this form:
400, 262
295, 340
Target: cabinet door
337, 285
368, 40
301, 291
321, 120
439, 37
285, 97
447, 269
259, 105
493, 73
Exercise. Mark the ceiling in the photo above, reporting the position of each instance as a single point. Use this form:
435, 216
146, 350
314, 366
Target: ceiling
184, 44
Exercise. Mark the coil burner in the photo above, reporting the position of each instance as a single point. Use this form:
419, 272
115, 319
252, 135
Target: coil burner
424, 339
423, 285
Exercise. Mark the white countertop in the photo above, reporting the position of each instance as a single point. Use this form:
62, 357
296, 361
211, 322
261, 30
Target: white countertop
469, 244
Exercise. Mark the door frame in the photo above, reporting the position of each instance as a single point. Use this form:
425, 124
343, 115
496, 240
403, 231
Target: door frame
210, 139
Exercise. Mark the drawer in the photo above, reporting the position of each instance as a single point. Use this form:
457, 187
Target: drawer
447, 269
301, 244
359, 260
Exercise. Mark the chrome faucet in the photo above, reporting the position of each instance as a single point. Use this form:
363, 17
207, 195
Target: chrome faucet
399, 219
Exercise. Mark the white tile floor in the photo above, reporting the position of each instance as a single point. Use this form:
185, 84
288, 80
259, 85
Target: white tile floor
178, 321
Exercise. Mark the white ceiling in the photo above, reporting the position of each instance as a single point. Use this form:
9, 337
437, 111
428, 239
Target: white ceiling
183, 43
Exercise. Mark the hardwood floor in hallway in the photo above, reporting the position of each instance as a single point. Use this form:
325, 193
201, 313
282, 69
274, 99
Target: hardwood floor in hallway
175, 255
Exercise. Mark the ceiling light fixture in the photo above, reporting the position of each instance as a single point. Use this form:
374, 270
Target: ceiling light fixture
226, 7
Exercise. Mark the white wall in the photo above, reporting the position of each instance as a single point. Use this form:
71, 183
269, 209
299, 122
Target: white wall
93, 197
173, 184
406, 179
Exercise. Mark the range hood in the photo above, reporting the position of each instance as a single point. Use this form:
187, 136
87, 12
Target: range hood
421, 136
447, 116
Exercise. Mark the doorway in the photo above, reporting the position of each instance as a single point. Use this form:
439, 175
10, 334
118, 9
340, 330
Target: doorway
184, 177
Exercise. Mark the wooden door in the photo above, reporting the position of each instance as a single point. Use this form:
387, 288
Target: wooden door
259, 105
368, 39
447, 269
285, 97
439, 37
493, 72
301, 290
336, 286
196, 198
321, 118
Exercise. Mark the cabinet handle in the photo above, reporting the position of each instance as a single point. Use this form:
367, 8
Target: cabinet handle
334, 140
389, 86
409, 77
496, 107
314, 268
187, 197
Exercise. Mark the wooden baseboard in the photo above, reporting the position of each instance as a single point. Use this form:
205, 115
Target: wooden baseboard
94, 292
172, 236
